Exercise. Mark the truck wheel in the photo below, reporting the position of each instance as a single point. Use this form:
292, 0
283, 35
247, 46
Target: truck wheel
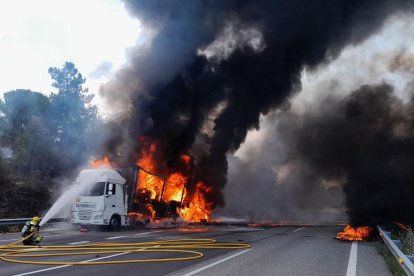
115, 222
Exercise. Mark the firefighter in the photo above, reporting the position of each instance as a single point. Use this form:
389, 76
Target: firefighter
32, 227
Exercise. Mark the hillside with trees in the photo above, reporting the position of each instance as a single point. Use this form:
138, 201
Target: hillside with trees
43, 139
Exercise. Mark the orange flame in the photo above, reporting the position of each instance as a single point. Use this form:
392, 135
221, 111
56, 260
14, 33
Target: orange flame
403, 226
148, 182
355, 234
198, 208
172, 188
101, 163
186, 159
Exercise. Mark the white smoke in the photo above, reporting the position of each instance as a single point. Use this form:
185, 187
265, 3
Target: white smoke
62, 205
233, 37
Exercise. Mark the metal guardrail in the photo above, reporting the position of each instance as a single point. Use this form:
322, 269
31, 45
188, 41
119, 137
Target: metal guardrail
20, 221
8, 222
405, 261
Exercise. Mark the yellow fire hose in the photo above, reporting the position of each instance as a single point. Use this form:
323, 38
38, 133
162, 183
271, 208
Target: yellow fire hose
15, 253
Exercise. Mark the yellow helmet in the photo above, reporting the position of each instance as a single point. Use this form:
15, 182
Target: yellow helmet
35, 220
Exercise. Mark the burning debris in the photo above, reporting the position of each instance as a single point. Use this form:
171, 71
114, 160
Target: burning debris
350, 233
175, 191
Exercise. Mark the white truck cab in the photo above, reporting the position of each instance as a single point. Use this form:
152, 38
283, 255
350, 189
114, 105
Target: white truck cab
104, 202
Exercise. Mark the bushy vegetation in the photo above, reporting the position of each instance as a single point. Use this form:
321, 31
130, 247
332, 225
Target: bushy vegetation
43, 138
391, 261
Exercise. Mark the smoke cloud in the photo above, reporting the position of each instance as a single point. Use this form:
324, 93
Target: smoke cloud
366, 140
212, 68
316, 195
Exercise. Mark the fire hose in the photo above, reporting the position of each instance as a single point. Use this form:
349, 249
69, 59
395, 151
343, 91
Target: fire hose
16, 253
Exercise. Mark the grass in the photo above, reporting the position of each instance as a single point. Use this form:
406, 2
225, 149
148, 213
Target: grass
391, 261
10, 229
407, 243
407, 247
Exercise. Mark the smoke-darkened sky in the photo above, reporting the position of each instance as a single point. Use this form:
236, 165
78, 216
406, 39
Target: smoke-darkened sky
213, 68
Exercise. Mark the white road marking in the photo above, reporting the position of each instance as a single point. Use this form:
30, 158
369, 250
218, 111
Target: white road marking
216, 263
62, 266
149, 232
352, 263
106, 257
243, 229
296, 230
11, 240
117, 237
60, 235
41, 270
79, 242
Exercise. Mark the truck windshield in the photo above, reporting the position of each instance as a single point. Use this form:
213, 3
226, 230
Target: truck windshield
97, 189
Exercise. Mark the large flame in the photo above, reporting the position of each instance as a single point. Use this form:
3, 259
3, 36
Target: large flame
149, 183
101, 163
355, 234
197, 208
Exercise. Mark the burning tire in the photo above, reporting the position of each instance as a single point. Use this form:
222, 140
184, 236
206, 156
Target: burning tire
114, 222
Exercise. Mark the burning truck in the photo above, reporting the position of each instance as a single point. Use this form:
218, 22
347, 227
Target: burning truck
137, 194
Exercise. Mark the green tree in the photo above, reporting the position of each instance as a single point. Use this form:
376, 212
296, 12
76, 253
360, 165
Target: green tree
75, 118
25, 129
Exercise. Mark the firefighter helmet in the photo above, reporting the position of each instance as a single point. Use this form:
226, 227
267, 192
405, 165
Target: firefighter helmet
35, 220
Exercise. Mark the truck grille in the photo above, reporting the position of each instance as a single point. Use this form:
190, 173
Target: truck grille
84, 215
84, 205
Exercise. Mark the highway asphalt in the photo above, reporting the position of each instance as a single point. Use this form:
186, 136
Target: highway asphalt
310, 250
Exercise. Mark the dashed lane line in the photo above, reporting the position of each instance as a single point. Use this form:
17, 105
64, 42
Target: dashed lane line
79, 242
149, 232
216, 263
296, 230
114, 238
352, 263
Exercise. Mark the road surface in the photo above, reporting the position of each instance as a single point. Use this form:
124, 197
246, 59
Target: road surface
274, 251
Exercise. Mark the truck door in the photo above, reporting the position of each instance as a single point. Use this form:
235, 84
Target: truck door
111, 202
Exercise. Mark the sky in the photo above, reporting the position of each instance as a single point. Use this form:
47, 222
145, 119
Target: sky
34, 35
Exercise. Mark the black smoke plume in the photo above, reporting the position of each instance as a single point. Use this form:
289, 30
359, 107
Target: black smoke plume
367, 141
171, 91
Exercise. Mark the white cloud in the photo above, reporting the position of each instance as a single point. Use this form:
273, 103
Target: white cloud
36, 35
